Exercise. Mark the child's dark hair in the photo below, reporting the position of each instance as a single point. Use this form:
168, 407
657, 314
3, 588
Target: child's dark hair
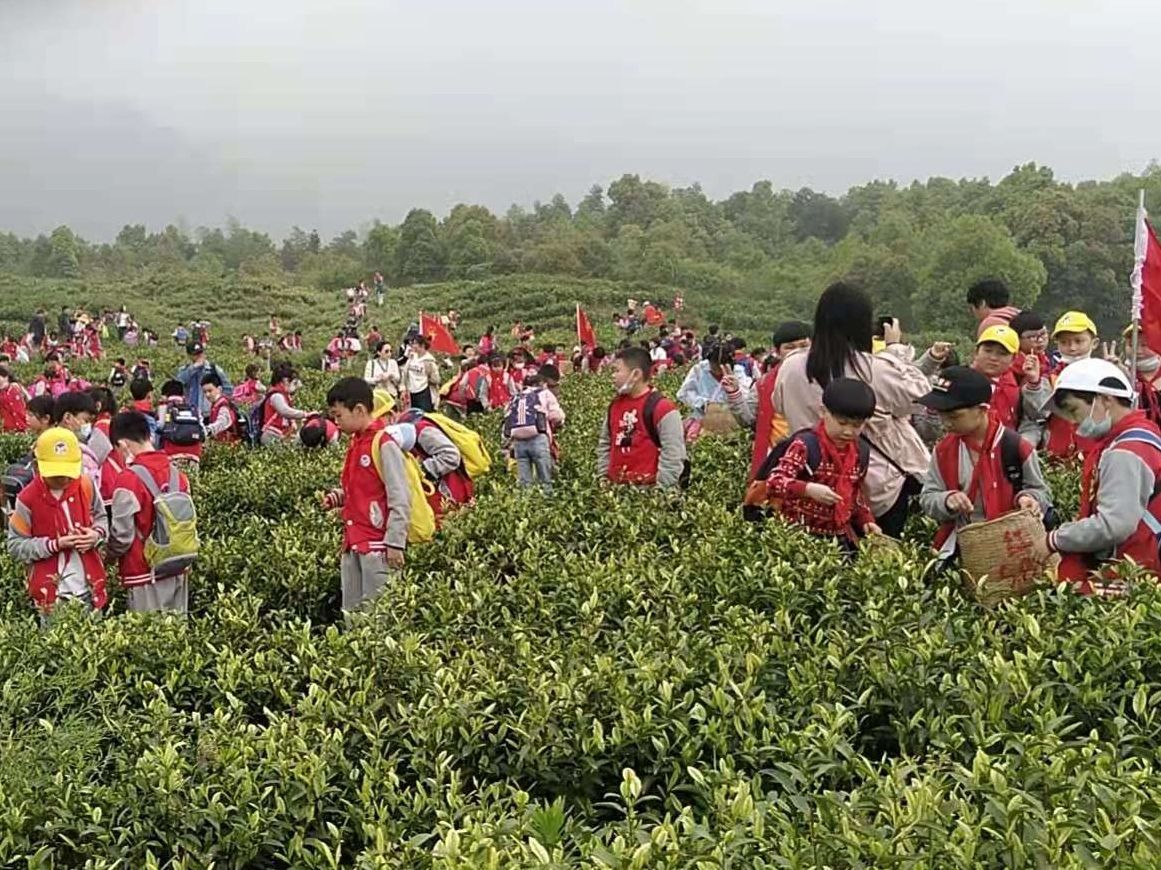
990, 291
1026, 321
173, 389
5, 372
850, 398
41, 406
549, 374
211, 379
313, 435
130, 426
636, 358
103, 398
252, 371
73, 403
350, 393
282, 372
140, 388
1089, 397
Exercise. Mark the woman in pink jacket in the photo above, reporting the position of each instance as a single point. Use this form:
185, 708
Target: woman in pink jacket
843, 328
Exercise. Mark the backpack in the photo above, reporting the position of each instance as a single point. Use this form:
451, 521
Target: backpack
17, 476
757, 504
477, 461
172, 545
650, 414
254, 423
182, 427
421, 525
1150, 519
523, 420
1013, 465
118, 378
241, 425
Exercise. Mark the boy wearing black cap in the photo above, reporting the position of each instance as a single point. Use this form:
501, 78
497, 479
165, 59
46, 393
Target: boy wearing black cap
980, 469
818, 481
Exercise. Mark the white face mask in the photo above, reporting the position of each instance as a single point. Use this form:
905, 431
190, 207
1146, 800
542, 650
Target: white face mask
1068, 359
1090, 428
1149, 364
85, 431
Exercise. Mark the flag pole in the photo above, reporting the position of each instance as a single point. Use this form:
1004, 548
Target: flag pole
1135, 281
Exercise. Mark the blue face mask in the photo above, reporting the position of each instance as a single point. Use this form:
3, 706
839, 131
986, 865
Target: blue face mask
1090, 428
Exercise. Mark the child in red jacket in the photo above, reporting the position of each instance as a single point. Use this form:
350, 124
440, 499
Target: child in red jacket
373, 495
818, 480
57, 525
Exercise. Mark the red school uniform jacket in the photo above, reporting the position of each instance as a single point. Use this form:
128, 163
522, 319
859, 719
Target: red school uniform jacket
1141, 545
230, 435
131, 496
40, 514
633, 455
13, 413
365, 508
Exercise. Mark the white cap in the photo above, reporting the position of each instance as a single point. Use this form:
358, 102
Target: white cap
1086, 375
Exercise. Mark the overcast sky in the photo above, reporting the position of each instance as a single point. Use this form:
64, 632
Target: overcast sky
330, 113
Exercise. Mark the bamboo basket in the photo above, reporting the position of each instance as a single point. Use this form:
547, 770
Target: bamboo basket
1006, 557
718, 420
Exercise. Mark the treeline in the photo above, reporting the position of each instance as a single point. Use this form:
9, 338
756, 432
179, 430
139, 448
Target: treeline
915, 248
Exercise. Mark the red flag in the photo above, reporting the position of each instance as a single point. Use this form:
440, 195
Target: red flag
439, 339
584, 329
1151, 291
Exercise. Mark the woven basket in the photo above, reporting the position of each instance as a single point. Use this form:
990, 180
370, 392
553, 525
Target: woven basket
718, 420
874, 547
1006, 557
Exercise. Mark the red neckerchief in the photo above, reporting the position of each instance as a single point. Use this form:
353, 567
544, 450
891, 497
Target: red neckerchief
845, 461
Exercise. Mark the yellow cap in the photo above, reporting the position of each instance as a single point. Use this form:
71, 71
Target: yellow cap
384, 404
58, 453
877, 344
1001, 335
1074, 321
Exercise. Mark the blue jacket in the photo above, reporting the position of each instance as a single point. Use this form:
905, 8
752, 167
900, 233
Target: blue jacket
191, 378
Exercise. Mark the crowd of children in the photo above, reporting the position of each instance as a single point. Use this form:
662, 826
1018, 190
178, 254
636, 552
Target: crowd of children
853, 431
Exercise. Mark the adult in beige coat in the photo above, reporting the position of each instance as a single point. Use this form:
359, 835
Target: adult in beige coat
843, 328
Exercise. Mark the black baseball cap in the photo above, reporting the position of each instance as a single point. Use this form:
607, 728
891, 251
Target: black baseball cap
194, 348
790, 330
957, 387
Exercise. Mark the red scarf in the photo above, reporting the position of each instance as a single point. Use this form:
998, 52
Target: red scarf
988, 480
1006, 399
845, 461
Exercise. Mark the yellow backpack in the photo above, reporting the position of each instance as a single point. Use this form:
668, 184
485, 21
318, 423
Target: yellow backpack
477, 462
421, 527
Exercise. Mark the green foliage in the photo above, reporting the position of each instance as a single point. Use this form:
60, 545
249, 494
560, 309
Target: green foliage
606, 679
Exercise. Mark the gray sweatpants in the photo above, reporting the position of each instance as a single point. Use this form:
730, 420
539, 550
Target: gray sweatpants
363, 577
170, 594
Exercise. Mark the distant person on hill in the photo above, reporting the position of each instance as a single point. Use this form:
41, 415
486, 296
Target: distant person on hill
380, 289
191, 376
280, 419
37, 328
988, 301
421, 375
642, 441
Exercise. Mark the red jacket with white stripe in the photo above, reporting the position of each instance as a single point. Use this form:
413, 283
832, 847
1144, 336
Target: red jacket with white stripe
132, 519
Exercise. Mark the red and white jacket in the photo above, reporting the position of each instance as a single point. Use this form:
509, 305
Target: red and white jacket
40, 520
132, 516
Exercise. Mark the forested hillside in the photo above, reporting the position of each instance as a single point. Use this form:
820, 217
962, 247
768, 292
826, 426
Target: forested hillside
915, 248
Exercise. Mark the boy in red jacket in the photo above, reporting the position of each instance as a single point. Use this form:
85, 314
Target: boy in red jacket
373, 496
57, 525
132, 516
825, 496
642, 439
975, 466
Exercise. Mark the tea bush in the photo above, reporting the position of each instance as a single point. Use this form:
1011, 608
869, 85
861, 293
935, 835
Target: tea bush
601, 679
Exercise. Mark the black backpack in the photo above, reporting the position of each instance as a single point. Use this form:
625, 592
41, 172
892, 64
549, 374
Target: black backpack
650, 414
756, 513
17, 476
182, 426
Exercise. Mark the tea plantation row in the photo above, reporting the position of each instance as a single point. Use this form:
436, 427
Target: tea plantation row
603, 679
